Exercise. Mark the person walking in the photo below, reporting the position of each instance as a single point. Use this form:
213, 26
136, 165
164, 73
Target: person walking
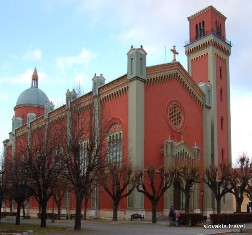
171, 216
177, 215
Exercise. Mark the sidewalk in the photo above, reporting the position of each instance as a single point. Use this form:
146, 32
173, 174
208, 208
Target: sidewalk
92, 227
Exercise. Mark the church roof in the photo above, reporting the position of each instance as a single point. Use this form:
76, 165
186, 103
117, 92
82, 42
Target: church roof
33, 95
205, 10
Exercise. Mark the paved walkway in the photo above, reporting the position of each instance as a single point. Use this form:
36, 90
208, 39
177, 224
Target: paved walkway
129, 227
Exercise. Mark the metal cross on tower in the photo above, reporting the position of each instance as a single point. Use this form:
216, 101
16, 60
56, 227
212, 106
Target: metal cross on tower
174, 53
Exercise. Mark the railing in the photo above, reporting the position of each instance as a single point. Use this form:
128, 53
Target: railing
207, 33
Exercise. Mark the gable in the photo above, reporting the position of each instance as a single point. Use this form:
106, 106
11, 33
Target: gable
175, 71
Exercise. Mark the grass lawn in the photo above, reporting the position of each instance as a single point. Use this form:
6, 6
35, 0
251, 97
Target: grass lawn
247, 231
37, 230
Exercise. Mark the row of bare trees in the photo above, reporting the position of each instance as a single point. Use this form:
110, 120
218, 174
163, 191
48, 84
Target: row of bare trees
52, 160
120, 179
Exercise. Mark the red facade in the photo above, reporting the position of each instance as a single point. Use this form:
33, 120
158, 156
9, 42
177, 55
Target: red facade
175, 107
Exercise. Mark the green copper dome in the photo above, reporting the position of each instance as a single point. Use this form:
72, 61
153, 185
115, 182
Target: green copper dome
33, 95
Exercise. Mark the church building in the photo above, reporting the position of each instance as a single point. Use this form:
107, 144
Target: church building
158, 114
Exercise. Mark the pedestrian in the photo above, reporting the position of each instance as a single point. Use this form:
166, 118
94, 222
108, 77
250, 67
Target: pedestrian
171, 216
177, 215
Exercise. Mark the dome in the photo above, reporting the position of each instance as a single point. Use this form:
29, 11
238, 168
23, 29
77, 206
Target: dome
32, 96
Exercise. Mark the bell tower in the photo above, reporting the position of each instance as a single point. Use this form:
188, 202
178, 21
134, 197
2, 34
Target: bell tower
208, 52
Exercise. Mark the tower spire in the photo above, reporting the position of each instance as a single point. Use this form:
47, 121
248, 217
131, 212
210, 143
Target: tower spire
34, 78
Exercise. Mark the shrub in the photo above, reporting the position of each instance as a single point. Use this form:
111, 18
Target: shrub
191, 219
4, 214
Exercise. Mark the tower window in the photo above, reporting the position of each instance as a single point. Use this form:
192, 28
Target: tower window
221, 120
200, 30
197, 31
131, 65
208, 96
220, 70
203, 28
141, 66
221, 94
218, 28
222, 154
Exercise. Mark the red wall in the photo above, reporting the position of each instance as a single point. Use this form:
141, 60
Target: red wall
200, 69
22, 111
222, 110
157, 129
116, 111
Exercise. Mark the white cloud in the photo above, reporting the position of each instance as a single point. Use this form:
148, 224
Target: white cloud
84, 58
24, 78
241, 113
32, 54
4, 96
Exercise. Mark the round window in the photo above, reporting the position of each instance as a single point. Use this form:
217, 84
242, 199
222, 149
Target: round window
175, 116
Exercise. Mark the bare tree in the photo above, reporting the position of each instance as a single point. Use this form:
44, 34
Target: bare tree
59, 193
85, 139
116, 180
3, 182
191, 175
240, 180
17, 183
153, 183
218, 180
43, 162
86, 200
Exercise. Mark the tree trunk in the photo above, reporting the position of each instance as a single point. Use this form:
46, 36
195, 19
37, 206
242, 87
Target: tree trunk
18, 213
238, 204
1, 203
43, 213
154, 211
77, 225
115, 210
187, 202
23, 209
218, 202
11, 206
85, 209
59, 208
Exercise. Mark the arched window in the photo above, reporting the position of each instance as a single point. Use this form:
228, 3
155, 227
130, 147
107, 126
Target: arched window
114, 144
84, 156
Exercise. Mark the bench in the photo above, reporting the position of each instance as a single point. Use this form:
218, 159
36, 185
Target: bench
56, 216
72, 216
136, 216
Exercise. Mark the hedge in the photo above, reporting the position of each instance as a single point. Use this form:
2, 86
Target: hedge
190, 219
233, 218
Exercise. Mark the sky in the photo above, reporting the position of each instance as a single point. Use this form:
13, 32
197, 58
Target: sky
68, 41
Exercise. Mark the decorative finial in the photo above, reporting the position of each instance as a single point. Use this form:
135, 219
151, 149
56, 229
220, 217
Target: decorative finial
34, 78
131, 46
141, 46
